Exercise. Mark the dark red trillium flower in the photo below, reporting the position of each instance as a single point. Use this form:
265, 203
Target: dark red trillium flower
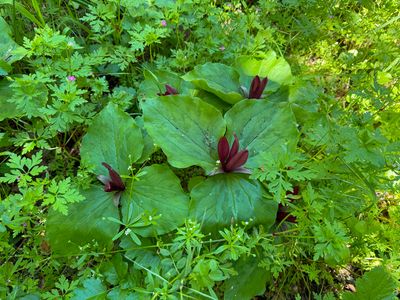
283, 214
113, 183
257, 87
169, 90
231, 158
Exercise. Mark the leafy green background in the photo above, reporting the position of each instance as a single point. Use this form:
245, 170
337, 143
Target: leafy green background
77, 64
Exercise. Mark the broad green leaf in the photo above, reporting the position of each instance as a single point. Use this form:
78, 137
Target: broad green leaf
92, 289
157, 192
115, 269
261, 126
8, 110
144, 256
10, 51
213, 100
377, 284
250, 281
154, 83
302, 97
4, 27
186, 128
118, 293
216, 78
30, 297
148, 143
275, 68
114, 138
85, 223
224, 198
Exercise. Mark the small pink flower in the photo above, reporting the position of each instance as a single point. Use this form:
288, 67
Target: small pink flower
222, 48
71, 78
163, 23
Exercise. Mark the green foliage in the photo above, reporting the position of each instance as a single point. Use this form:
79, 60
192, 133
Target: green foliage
10, 52
249, 282
80, 85
375, 284
165, 205
275, 68
114, 138
92, 288
218, 79
186, 141
60, 194
261, 127
23, 169
86, 225
229, 198
332, 243
283, 168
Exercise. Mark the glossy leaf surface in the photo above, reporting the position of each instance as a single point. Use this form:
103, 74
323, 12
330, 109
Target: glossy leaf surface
85, 223
186, 128
157, 192
216, 78
8, 110
223, 198
261, 126
250, 281
155, 82
275, 68
114, 138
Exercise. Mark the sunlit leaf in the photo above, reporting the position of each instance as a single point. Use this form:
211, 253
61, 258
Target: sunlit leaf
186, 128
225, 198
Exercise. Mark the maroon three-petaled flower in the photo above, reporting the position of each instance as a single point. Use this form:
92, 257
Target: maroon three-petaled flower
169, 90
257, 87
112, 183
231, 158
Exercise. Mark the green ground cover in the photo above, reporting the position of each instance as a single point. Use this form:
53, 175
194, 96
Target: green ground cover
161, 149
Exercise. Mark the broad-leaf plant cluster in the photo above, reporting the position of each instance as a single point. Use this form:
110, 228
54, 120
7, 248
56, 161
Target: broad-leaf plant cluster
168, 150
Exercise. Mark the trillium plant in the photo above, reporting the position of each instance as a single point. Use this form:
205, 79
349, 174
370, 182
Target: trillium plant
169, 90
112, 183
224, 133
230, 158
228, 141
130, 172
257, 87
